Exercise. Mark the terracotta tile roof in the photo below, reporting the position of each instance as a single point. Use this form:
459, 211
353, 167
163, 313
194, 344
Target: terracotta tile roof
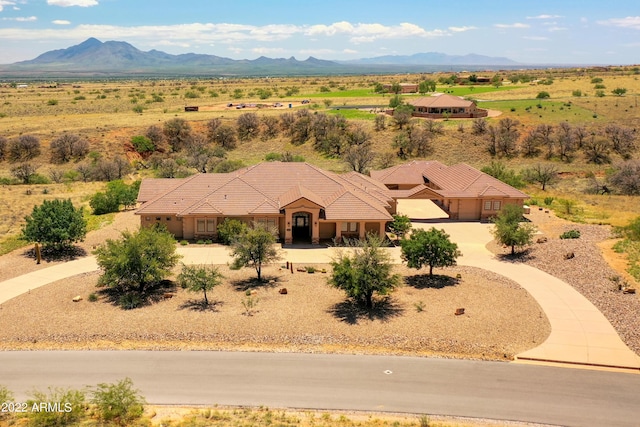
405, 174
151, 187
441, 101
457, 181
265, 189
298, 192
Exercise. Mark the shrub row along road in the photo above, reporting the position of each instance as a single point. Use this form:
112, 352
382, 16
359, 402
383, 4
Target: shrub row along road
505, 391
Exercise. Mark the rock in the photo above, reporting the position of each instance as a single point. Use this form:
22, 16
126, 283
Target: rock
77, 298
569, 255
283, 291
542, 239
629, 291
459, 311
168, 295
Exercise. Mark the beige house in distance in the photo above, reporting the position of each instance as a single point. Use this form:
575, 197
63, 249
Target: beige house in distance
303, 202
462, 191
441, 106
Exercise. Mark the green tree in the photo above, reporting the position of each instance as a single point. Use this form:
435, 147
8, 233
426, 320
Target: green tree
118, 403
255, 248
73, 408
56, 224
543, 95
619, 91
500, 171
137, 260
142, 144
395, 101
230, 230
102, 203
396, 88
508, 229
365, 272
200, 279
427, 86
429, 247
400, 225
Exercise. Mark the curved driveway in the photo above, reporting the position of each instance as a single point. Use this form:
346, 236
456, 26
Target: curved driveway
580, 334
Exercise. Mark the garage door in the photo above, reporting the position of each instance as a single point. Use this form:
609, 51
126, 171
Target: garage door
469, 209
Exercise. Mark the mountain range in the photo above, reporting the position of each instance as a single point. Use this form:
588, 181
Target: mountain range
94, 58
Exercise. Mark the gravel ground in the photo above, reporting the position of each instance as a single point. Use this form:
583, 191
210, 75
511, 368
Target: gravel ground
500, 319
587, 271
22, 261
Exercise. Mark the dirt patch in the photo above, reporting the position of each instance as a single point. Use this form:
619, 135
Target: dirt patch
500, 320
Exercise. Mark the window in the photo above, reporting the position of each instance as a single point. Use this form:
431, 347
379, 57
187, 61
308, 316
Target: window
349, 227
168, 218
269, 222
487, 205
158, 218
211, 225
200, 226
496, 205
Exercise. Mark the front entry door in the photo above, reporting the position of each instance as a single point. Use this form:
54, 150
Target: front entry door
301, 229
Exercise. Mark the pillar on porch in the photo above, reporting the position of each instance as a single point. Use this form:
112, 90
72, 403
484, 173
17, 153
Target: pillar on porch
362, 231
382, 229
338, 231
315, 229
288, 234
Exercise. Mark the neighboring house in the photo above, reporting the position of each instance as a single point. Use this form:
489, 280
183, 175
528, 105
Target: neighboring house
404, 88
303, 202
445, 106
465, 193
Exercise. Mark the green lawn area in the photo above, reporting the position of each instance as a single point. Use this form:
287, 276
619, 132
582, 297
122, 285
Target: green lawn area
542, 110
632, 249
474, 90
354, 114
353, 93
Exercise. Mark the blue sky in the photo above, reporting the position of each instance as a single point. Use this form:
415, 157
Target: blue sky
532, 32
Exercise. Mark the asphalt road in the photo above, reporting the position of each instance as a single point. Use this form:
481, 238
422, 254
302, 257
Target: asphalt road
504, 391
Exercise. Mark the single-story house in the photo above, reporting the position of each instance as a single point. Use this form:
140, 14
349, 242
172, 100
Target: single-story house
302, 202
441, 106
462, 191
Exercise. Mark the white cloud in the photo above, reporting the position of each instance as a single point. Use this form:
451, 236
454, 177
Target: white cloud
69, 3
5, 3
366, 33
536, 38
349, 51
632, 22
514, 25
236, 50
462, 29
554, 29
171, 43
544, 17
22, 19
61, 22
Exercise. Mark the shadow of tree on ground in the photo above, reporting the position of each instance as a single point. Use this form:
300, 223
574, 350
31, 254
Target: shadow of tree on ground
352, 312
199, 305
520, 256
50, 255
253, 283
130, 298
424, 281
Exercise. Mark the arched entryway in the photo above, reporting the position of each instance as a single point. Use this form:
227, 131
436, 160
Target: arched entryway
301, 227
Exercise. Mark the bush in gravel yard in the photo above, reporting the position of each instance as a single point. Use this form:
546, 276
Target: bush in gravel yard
72, 408
571, 234
231, 229
56, 224
118, 403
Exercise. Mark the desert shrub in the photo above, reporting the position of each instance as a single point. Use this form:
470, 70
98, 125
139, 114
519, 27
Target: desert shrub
68, 147
118, 403
25, 147
231, 229
226, 166
571, 234
130, 301
3, 148
273, 157
183, 243
56, 224
73, 408
248, 125
543, 95
93, 297
548, 201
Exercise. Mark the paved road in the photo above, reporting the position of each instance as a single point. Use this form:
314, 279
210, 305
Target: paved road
505, 391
